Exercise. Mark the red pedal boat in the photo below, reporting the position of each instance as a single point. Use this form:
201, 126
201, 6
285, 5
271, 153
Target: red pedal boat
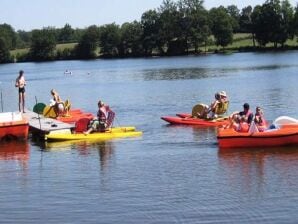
13, 124
285, 133
186, 119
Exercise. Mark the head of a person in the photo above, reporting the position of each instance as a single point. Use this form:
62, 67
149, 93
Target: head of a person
53, 92
21, 72
217, 96
100, 103
259, 110
223, 94
246, 106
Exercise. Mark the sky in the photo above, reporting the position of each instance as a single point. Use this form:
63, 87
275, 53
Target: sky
36, 14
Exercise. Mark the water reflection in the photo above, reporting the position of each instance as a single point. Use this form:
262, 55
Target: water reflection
251, 168
84, 148
174, 74
203, 73
15, 151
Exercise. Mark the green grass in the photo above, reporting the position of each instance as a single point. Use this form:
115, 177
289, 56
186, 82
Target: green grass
240, 40
60, 47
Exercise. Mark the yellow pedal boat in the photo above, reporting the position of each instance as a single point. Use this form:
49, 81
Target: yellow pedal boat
116, 132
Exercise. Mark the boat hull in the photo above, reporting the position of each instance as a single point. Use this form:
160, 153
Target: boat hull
194, 121
13, 125
228, 138
119, 132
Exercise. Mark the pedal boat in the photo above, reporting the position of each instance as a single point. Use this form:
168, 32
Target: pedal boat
285, 133
111, 133
13, 124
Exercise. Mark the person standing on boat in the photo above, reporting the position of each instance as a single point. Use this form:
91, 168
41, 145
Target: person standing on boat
103, 120
21, 83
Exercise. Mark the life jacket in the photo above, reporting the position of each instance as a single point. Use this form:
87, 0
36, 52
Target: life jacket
221, 108
106, 115
247, 115
244, 125
262, 124
102, 114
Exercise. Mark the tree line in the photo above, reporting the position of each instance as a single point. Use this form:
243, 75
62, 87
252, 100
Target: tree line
174, 28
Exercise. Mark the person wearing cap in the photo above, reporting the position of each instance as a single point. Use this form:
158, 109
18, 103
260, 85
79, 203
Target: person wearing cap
102, 121
219, 105
241, 121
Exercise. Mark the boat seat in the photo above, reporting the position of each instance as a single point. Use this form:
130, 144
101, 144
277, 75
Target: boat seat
82, 125
38, 108
67, 106
199, 111
110, 118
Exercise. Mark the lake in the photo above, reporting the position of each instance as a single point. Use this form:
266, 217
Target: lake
172, 174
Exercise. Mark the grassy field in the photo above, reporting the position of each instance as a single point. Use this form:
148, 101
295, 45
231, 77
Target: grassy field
240, 40
60, 47
244, 40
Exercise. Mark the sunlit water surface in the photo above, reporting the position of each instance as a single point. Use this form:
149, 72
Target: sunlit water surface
172, 174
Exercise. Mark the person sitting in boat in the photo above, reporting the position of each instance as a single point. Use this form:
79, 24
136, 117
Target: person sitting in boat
103, 120
218, 107
260, 119
241, 121
57, 103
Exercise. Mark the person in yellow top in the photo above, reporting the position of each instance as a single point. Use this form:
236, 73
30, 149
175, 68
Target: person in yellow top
21, 83
218, 107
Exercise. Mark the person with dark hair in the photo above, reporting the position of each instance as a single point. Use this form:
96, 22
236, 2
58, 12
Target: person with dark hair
259, 119
21, 83
241, 121
103, 120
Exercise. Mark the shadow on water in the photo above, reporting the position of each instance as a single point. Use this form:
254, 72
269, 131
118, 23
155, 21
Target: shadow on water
83, 148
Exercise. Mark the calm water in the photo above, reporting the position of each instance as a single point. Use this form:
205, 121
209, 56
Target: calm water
172, 174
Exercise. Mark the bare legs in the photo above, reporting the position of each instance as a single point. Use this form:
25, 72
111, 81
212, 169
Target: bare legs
22, 102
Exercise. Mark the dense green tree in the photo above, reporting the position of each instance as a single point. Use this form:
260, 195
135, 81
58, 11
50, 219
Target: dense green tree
234, 12
295, 22
43, 44
287, 18
150, 22
88, 44
169, 28
195, 29
8, 35
245, 20
23, 39
131, 39
66, 34
272, 22
221, 26
4, 51
110, 39
259, 29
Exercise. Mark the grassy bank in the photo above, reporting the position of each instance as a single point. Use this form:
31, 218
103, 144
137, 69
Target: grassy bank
241, 42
